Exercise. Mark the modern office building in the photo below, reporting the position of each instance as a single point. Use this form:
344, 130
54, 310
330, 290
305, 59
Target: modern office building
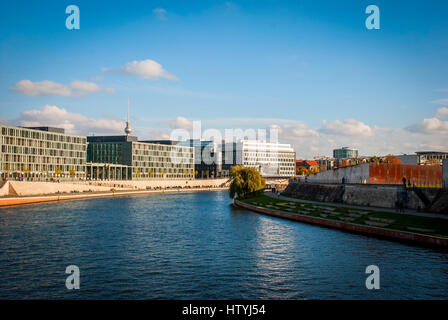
41, 153
345, 153
139, 159
271, 159
208, 158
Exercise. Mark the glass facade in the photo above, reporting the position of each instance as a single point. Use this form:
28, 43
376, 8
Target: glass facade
146, 160
150, 160
345, 153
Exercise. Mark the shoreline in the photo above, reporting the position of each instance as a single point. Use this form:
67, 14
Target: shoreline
389, 234
6, 202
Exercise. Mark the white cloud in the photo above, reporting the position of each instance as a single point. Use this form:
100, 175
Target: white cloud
442, 113
430, 126
88, 87
297, 130
73, 123
30, 88
76, 88
181, 123
147, 69
348, 127
160, 13
443, 102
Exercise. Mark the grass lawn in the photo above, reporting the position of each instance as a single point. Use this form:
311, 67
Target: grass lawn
387, 220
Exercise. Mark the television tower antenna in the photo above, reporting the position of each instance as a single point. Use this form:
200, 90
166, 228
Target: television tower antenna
128, 129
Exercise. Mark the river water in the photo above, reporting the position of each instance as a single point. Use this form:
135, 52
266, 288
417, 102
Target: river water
197, 246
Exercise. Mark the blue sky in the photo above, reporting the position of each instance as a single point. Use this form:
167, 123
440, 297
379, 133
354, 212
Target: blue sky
311, 68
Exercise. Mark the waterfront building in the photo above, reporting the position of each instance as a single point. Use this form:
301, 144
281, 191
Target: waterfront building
140, 159
41, 153
345, 153
208, 158
271, 159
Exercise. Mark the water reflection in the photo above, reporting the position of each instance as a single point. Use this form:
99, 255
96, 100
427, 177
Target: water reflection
197, 246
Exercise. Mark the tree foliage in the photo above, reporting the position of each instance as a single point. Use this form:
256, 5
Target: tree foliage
392, 159
245, 181
302, 171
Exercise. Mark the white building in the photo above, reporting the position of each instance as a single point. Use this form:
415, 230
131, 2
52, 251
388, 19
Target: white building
271, 159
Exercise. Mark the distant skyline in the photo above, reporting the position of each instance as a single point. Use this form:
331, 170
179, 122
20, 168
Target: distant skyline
310, 68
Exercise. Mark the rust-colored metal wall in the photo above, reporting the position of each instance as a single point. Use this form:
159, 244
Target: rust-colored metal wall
421, 176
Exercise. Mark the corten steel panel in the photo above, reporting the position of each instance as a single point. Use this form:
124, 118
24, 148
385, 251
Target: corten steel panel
421, 176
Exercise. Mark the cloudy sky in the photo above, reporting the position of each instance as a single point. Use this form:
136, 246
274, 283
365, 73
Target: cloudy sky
310, 69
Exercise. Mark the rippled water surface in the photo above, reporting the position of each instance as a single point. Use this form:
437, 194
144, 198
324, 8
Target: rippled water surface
196, 246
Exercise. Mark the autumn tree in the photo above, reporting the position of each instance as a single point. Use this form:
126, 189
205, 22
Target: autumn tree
392, 160
302, 171
314, 170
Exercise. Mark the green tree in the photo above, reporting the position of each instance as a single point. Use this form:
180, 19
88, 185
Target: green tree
245, 181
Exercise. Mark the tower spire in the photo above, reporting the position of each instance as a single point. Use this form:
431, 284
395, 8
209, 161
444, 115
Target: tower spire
128, 129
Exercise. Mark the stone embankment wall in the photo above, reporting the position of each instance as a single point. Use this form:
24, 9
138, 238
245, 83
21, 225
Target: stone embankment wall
29, 188
355, 174
382, 196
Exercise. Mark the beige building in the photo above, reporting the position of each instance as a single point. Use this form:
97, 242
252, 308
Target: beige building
41, 153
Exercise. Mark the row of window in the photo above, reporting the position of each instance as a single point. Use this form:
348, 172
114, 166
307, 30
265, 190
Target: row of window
270, 154
40, 135
166, 154
159, 147
161, 164
42, 152
269, 160
42, 144
161, 170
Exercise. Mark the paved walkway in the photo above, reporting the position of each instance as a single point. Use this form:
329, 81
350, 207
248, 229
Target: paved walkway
335, 204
